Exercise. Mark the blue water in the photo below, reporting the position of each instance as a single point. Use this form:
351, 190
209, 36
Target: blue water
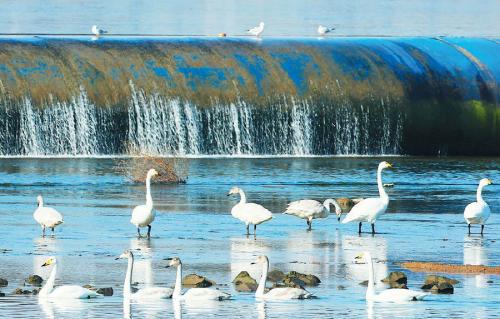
424, 222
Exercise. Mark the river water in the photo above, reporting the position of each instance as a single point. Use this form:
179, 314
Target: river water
424, 222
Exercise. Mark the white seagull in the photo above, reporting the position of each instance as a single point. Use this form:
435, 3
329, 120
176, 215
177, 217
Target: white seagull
309, 209
478, 212
249, 213
257, 31
276, 293
46, 216
97, 32
144, 215
369, 209
322, 30
389, 295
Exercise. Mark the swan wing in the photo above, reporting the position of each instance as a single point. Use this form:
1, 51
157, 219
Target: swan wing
287, 293
305, 208
366, 210
476, 213
153, 293
48, 216
73, 292
142, 215
400, 295
251, 213
205, 294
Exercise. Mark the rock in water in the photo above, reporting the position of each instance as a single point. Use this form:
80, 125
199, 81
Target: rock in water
196, 281
308, 280
396, 277
244, 282
20, 291
442, 288
2, 294
276, 275
433, 280
345, 203
34, 280
294, 282
3, 282
107, 291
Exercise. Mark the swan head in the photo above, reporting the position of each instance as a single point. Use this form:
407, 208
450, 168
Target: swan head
50, 261
485, 181
125, 255
174, 262
338, 209
39, 199
261, 24
152, 172
233, 191
260, 260
384, 164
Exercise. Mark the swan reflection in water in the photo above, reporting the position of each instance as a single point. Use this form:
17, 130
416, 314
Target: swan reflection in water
57, 308
145, 309
244, 251
475, 254
143, 268
353, 245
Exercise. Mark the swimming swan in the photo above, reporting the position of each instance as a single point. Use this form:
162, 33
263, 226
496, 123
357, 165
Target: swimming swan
369, 209
144, 215
148, 293
249, 213
63, 292
276, 293
46, 216
193, 293
478, 212
389, 295
309, 209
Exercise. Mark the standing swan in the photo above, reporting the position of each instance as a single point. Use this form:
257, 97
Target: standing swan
144, 293
144, 215
63, 292
46, 216
276, 293
478, 212
193, 293
389, 295
249, 213
309, 209
368, 210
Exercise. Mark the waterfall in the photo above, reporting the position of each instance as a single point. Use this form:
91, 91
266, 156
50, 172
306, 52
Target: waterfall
155, 124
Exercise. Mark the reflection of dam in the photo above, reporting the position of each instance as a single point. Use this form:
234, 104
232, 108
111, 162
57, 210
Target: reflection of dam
235, 96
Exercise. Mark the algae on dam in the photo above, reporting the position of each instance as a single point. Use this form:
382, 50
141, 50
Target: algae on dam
277, 96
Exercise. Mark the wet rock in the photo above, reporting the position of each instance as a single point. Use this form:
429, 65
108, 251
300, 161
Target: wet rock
107, 291
433, 280
20, 291
345, 203
293, 282
197, 281
395, 285
442, 288
3, 282
276, 275
244, 282
340, 287
2, 294
396, 277
34, 280
308, 280
35, 291
364, 283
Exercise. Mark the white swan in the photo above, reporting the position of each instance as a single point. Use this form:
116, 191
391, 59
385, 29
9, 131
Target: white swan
63, 292
369, 209
144, 215
309, 209
257, 31
478, 212
389, 295
249, 213
276, 293
322, 30
97, 32
149, 293
46, 216
193, 294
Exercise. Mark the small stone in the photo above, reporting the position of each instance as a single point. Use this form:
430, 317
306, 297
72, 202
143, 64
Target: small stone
194, 280
275, 275
20, 291
2, 294
34, 280
396, 277
395, 285
364, 283
308, 280
243, 282
434, 280
107, 291
490, 281
35, 291
442, 288
3, 282
294, 282
340, 287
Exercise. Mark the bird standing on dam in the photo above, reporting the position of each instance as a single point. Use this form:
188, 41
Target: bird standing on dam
322, 30
369, 209
256, 31
98, 32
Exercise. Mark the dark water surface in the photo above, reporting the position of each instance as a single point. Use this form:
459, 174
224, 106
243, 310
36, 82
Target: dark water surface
424, 222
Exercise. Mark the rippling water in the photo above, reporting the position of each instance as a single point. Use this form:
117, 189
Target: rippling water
424, 223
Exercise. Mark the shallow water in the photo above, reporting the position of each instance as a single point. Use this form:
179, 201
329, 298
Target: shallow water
193, 222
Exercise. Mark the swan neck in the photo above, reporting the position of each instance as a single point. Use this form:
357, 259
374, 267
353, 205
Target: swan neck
127, 290
178, 282
49, 285
40, 203
149, 199
381, 190
262, 283
243, 198
370, 291
479, 194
